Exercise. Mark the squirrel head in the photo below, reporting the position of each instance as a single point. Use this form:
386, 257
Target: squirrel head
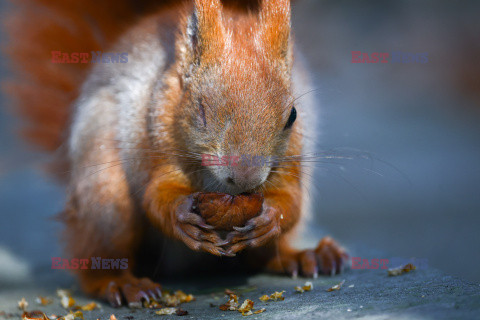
234, 72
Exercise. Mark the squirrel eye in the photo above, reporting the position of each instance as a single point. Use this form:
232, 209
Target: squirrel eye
291, 119
202, 115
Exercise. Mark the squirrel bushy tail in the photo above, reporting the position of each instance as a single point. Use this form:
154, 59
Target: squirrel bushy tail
42, 91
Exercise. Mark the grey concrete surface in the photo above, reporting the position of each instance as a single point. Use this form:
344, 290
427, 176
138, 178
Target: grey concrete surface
366, 294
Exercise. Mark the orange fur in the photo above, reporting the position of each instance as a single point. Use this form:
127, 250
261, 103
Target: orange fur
42, 91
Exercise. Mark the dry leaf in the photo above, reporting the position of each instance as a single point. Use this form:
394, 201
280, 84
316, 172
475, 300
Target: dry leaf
246, 307
274, 296
112, 317
34, 315
277, 296
173, 300
401, 270
183, 297
73, 315
308, 286
336, 287
264, 298
170, 300
299, 289
153, 304
90, 306
43, 300
231, 304
166, 311
259, 311
65, 298
23, 304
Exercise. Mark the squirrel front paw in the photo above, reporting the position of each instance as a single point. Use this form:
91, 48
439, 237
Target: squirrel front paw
257, 231
328, 258
192, 229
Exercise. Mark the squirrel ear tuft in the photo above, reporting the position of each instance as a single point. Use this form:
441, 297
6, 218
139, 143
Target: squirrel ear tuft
276, 25
205, 28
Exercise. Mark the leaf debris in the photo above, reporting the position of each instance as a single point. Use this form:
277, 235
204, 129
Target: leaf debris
401, 270
336, 287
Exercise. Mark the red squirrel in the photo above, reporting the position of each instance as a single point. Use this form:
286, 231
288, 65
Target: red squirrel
203, 77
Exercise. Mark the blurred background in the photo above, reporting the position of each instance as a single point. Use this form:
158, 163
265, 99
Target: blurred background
411, 187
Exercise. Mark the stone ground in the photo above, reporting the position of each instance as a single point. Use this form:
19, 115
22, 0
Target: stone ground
424, 293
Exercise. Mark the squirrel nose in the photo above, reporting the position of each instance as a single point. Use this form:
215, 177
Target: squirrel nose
247, 178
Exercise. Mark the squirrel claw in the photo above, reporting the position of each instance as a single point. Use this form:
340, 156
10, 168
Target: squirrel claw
245, 228
113, 295
132, 291
206, 226
222, 243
